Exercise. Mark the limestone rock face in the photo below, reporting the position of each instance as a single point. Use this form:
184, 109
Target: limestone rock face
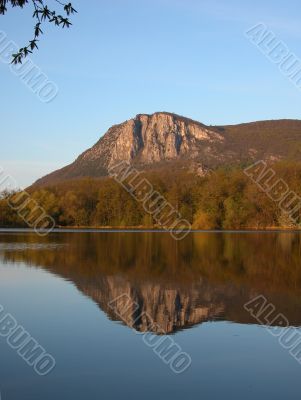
165, 140
145, 140
153, 138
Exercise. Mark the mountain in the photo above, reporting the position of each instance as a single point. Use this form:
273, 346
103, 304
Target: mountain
166, 139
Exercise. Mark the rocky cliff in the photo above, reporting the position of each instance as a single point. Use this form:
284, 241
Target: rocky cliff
165, 139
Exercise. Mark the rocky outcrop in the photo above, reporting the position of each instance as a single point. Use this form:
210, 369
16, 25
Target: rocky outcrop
150, 140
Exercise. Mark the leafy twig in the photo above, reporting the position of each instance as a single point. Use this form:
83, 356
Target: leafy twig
41, 14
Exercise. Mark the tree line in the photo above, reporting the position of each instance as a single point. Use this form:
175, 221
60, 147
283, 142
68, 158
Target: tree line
223, 199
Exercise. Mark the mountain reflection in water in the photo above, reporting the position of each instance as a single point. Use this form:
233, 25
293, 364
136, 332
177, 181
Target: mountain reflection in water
205, 277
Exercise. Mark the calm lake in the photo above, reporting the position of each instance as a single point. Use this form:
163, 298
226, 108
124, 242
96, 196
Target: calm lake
97, 301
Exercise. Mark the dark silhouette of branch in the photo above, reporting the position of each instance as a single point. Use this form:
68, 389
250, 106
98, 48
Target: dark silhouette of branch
41, 13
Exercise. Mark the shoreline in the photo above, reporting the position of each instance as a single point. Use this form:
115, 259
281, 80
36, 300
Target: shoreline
121, 229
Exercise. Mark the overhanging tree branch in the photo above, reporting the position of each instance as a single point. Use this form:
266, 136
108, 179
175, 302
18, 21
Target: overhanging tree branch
41, 14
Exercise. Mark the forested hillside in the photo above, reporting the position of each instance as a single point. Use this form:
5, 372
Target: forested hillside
222, 199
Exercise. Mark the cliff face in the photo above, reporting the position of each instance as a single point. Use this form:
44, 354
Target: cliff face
151, 140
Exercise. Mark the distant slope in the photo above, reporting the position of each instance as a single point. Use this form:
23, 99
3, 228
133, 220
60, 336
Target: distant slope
165, 139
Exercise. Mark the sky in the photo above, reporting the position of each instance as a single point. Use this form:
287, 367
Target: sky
125, 57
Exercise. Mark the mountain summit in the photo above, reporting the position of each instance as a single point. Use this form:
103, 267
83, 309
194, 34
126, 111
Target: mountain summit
166, 139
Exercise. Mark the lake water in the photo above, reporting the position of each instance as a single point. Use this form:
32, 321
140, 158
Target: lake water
72, 292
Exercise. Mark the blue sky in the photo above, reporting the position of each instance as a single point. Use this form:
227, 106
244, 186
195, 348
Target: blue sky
124, 57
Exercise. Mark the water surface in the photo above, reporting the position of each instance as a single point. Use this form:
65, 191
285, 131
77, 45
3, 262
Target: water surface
59, 288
